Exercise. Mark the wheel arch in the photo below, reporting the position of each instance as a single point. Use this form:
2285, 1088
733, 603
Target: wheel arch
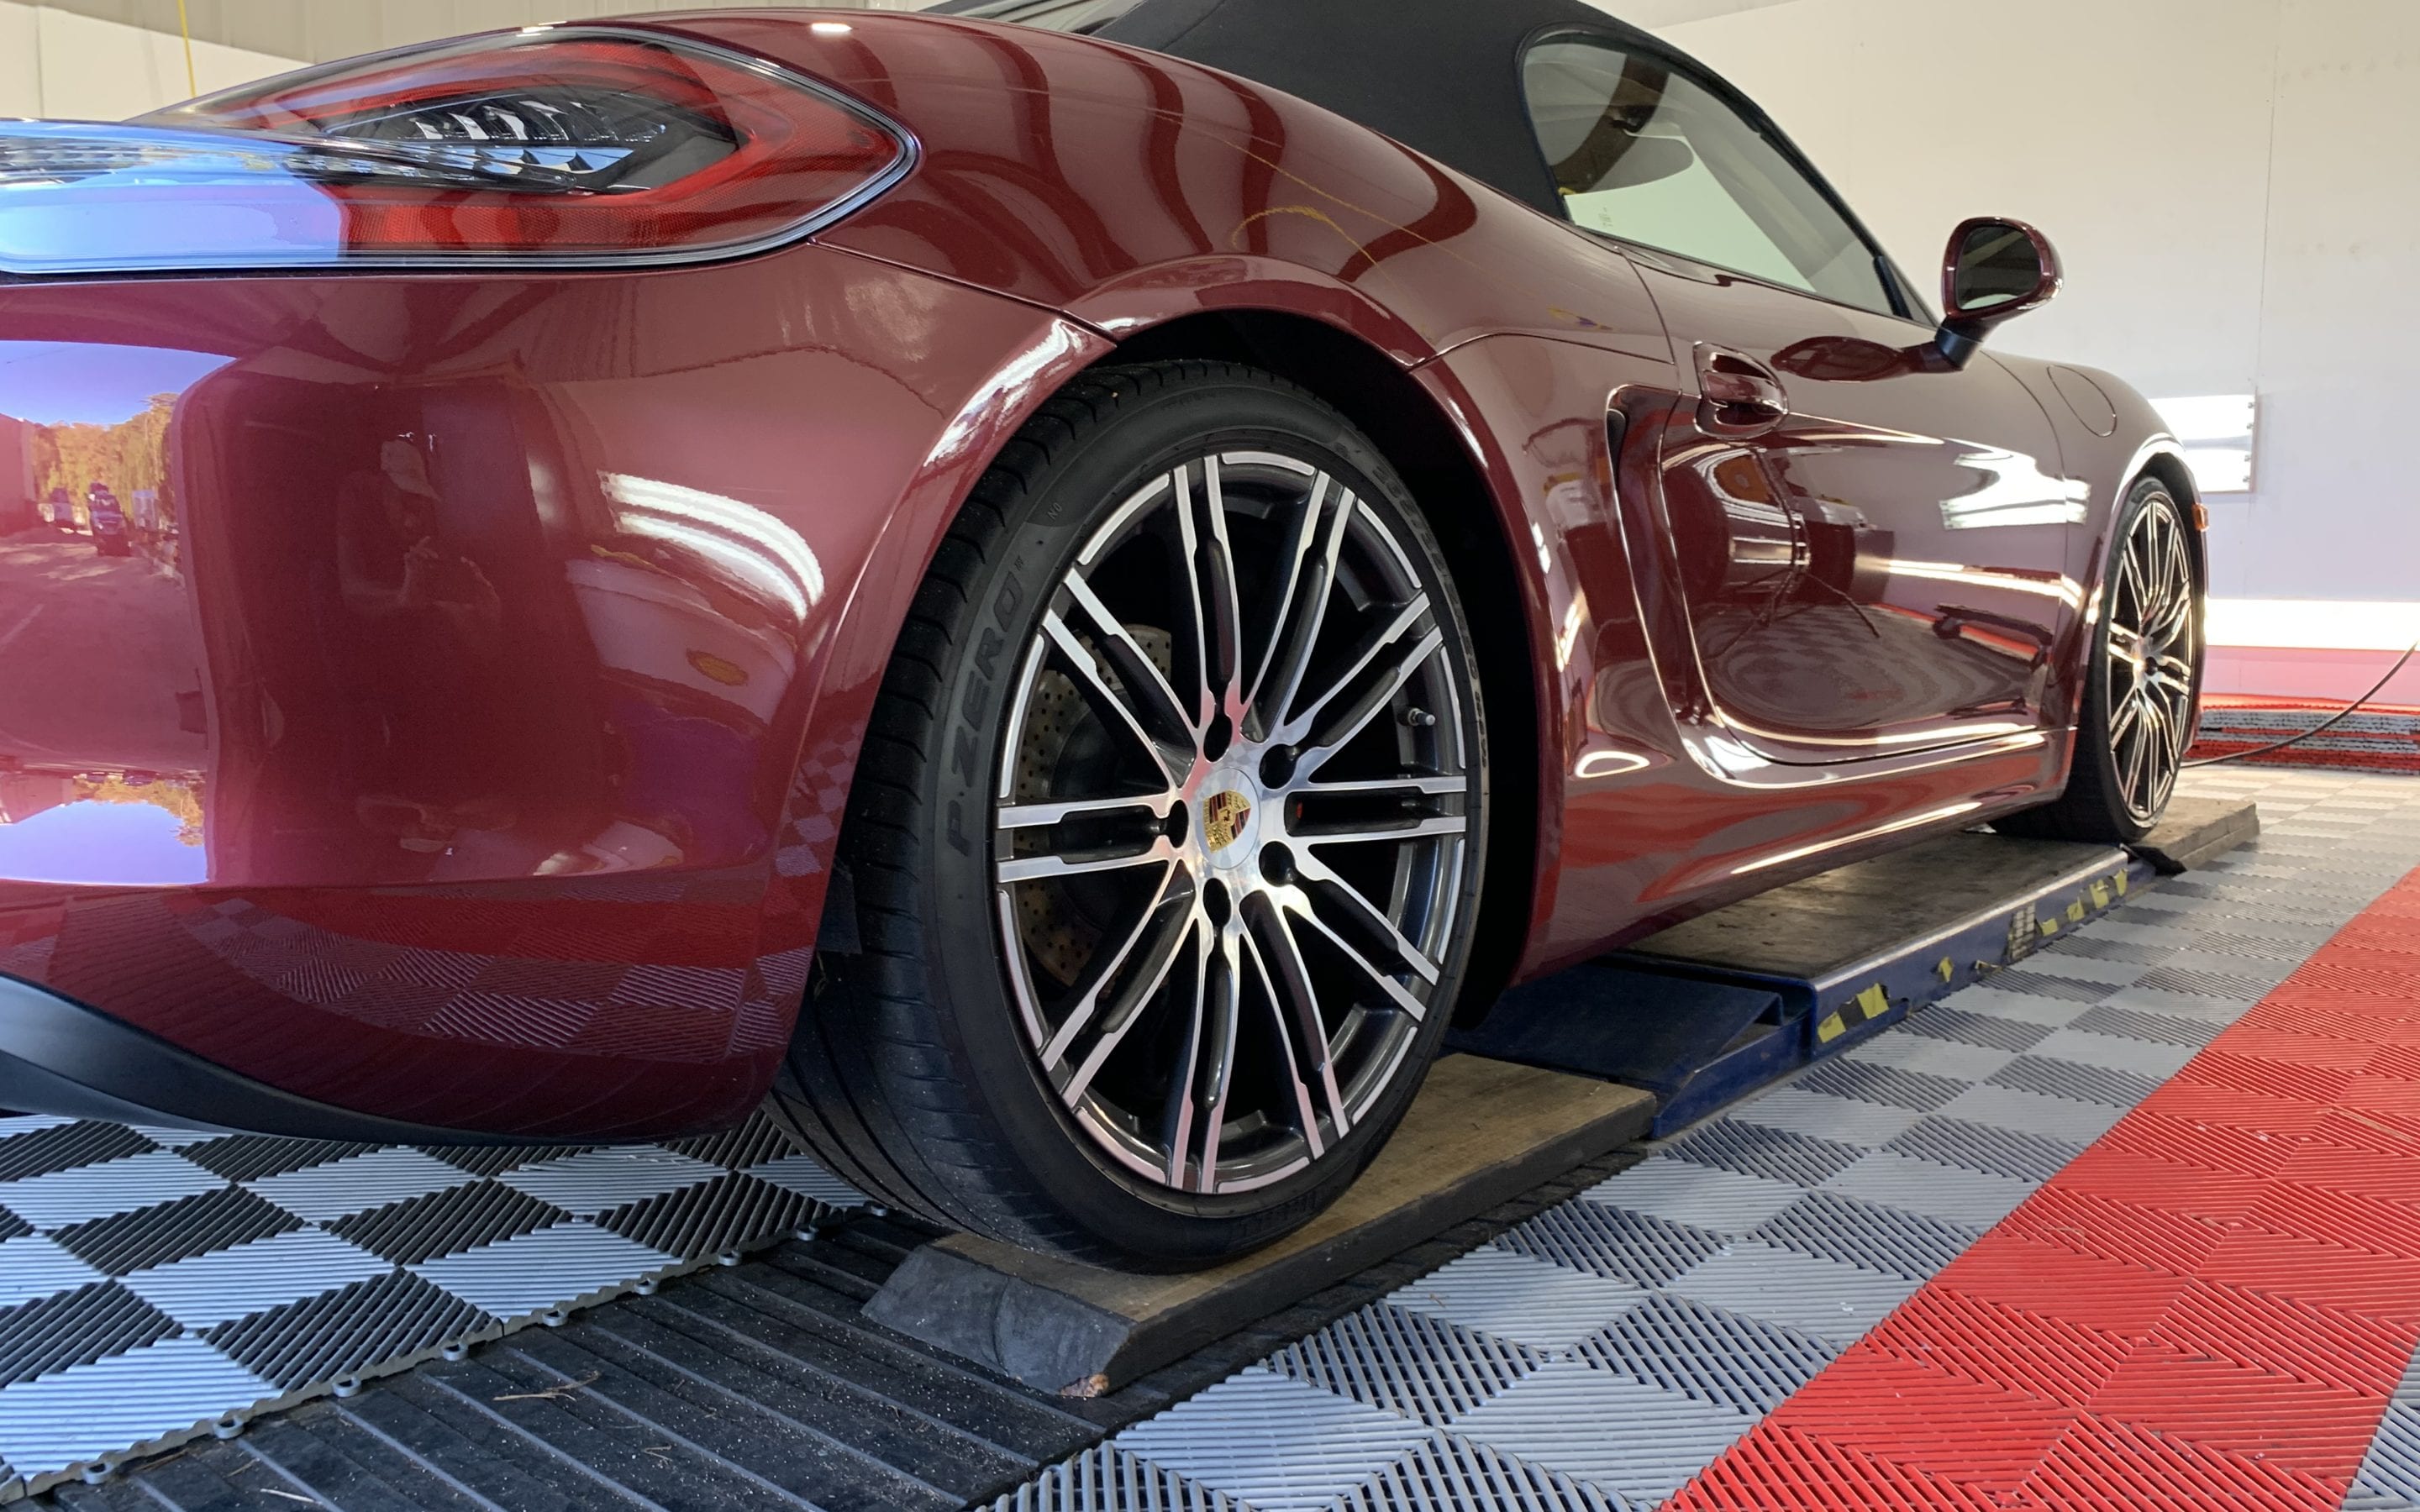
2167, 464
1418, 438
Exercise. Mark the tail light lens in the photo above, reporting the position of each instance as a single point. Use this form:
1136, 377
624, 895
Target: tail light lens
566, 147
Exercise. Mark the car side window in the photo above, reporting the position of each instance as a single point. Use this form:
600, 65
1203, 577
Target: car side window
1645, 153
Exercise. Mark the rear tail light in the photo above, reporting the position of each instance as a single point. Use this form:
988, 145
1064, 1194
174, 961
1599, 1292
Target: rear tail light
563, 146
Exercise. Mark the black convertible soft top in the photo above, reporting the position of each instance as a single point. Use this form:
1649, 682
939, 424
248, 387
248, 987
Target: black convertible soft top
1440, 75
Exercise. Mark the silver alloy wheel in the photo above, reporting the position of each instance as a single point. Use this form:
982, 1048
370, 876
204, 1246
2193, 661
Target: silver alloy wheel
1230, 839
2153, 626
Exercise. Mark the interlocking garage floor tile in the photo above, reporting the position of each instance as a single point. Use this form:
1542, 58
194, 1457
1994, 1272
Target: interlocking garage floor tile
88, 1410
549, 1267
61, 1198
586, 1185
1822, 1207
1871, 1235
1949, 1193
1527, 1302
1274, 1442
1822, 1299
1110, 1477
1613, 1242
37, 1266
1558, 1417
1437, 1475
224, 1285
177, 1230
153, 1280
1821, 1116
76, 1327
1716, 1356
356, 1183
1703, 1196
331, 1334
1407, 1362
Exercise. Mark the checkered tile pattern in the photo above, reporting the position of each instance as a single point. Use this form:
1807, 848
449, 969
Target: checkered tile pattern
156, 1281
1602, 1353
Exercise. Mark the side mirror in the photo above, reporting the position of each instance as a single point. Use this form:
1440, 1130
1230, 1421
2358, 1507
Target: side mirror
1996, 271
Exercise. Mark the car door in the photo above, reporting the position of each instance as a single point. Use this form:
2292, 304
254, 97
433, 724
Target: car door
1870, 539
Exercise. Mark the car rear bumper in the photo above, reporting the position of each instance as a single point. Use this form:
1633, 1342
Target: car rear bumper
464, 741
62, 1058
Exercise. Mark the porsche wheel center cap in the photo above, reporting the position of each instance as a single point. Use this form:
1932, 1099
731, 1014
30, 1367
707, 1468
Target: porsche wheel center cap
1226, 818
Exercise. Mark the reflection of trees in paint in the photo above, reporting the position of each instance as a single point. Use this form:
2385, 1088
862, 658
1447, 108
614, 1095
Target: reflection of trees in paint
129, 457
180, 797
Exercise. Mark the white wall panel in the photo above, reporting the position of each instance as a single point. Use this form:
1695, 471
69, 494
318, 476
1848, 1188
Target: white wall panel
21, 61
2228, 182
2338, 512
105, 70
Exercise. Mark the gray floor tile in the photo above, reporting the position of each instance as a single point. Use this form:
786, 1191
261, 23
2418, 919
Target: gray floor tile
1950, 1194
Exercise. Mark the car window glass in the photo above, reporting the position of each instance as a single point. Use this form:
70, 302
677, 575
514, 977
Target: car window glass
1649, 155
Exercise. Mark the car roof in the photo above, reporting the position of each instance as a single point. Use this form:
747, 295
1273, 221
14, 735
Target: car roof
1442, 76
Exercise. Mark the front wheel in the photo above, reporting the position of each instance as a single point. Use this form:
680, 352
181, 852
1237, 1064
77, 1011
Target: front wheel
1167, 837
2142, 689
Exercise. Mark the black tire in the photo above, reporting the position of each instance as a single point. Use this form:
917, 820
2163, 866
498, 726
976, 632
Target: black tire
918, 1071
2121, 777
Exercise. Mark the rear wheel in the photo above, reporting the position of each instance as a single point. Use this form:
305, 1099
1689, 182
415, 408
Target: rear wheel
1166, 841
2142, 690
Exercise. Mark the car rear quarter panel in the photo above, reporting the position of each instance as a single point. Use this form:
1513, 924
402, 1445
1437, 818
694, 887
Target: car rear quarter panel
2110, 437
438, 753
1132, 189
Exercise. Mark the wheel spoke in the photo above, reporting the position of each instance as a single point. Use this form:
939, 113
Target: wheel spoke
1039, 867
1394, 991
1415, 826
1222, 1014
1154, 700
2130, 711
1159, 922
2146, 740
1217, 617
2171, 624
2175, 580
1425, 786
1040, 816
1292, 996
1316, 871
1302, 613
1280, 1021
1303, 535
1092, 676
1322, 740
1176, 1123
1149, 980
2178, 713
2129, 589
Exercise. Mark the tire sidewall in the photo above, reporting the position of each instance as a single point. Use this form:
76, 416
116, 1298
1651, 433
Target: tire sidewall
1043, 528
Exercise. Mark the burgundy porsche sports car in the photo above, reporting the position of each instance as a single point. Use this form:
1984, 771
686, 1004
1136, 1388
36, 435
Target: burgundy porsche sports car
1058, 597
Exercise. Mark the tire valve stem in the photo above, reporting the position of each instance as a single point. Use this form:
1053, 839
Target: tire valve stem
1418, 718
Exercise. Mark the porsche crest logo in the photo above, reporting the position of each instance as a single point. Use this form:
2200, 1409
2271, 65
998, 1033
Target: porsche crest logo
1222, 819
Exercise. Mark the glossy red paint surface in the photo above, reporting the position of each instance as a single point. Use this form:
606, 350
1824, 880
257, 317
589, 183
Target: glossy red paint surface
466, 739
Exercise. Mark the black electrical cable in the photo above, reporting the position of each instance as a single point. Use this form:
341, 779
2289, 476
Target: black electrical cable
2339, 717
